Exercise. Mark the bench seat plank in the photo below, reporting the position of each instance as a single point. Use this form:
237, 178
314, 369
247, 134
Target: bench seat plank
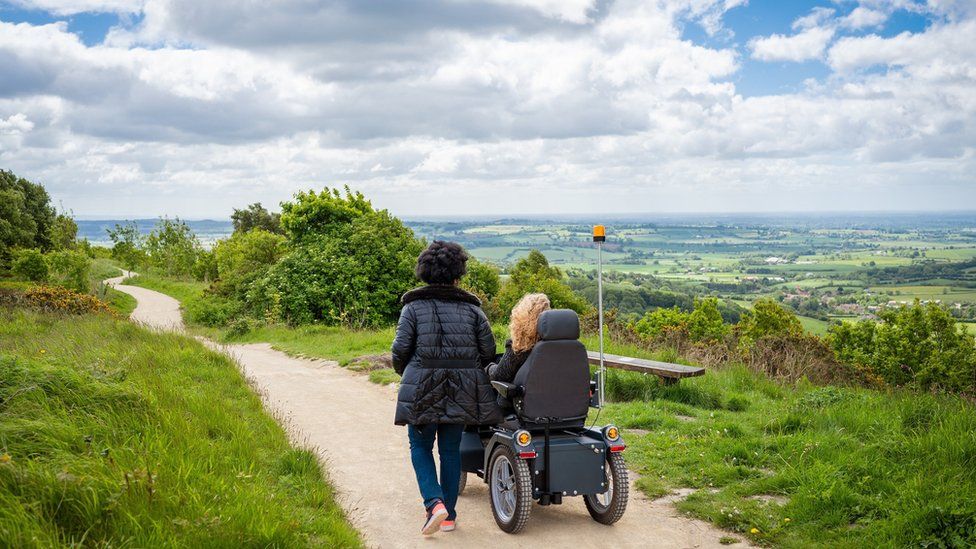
662, 369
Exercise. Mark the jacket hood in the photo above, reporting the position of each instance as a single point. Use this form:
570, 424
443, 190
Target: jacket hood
444, 292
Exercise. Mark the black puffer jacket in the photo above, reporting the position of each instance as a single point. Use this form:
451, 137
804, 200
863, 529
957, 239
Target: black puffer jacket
443, 342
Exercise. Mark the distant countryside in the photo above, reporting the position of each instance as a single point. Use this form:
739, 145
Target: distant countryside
826, 268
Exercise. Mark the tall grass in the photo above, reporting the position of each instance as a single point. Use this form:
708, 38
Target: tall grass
806, 465
111, 435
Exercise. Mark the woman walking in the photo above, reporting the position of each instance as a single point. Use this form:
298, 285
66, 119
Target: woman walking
443, 342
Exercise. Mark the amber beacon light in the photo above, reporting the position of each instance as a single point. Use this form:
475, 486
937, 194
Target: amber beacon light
599, 233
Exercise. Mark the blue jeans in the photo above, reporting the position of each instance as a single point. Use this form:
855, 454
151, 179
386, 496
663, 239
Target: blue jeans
422, 455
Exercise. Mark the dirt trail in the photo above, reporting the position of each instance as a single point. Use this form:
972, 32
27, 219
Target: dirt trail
349, 422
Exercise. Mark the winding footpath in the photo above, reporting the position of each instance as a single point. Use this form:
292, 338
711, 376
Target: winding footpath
348, 421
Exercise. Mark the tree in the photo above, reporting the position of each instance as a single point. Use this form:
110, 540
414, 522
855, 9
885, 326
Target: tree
127, 245
256, 216
481, 279
348, 264
64, 232
533, 274
172, 247
326, 213
26, 215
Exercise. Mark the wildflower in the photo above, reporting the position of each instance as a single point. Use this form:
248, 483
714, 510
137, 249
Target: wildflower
43, 351
754, 531
787, 519
5, 458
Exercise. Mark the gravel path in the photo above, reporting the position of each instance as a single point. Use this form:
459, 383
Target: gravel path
349, 422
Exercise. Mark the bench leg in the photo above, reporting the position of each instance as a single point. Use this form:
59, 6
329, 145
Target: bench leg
670, 381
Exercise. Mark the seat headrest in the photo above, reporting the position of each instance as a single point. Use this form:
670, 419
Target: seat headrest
558, 324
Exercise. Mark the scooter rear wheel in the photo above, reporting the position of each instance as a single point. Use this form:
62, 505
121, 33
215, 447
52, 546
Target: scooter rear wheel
509, 490
609, 507
462, 482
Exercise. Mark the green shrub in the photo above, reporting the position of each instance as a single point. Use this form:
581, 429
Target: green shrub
213, 310
244, 258
660, 321
917, 345
70, 269
327, 213
353, 275
30, 265
705, 323
767, 318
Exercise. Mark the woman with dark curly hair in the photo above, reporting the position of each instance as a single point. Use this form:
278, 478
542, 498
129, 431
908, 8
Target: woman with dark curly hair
443, 342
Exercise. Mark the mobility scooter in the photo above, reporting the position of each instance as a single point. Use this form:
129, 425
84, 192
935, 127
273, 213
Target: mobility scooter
543, 451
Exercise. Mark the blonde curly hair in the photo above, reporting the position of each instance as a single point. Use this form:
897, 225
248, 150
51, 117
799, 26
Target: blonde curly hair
525, 316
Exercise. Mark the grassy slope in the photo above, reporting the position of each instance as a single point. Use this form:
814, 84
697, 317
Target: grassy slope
114, 435
852, 467
804, 465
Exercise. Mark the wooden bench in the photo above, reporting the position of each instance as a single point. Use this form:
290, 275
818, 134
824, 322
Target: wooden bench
670, 373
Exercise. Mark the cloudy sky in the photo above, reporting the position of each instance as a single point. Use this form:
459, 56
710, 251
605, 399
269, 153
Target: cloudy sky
129, 108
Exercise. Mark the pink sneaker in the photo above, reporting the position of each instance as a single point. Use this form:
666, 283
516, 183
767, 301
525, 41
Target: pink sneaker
448, 526
435, 516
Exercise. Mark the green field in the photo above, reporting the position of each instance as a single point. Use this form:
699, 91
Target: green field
116, 436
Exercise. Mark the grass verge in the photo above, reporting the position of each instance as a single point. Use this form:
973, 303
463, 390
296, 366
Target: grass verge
111, 435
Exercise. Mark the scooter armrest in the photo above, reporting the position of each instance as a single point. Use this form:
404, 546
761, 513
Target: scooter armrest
507, 390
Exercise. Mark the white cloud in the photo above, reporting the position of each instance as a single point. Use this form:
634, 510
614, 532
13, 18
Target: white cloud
804, 46
862, 17
536, 106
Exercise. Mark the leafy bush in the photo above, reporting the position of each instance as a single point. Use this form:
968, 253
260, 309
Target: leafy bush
533, 274
205, 266
350, 273
244, 258
213, 311
70, 269
30, 265
767, 318
705, 323
918, 345
659, 321
327, 213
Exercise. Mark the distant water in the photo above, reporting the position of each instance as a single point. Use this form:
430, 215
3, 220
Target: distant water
211, 230
207, 230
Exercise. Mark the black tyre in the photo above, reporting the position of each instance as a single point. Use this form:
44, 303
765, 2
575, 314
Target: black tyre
509, 490
609, 507
462, 482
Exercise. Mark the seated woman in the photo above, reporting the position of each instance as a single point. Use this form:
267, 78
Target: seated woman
522, 327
